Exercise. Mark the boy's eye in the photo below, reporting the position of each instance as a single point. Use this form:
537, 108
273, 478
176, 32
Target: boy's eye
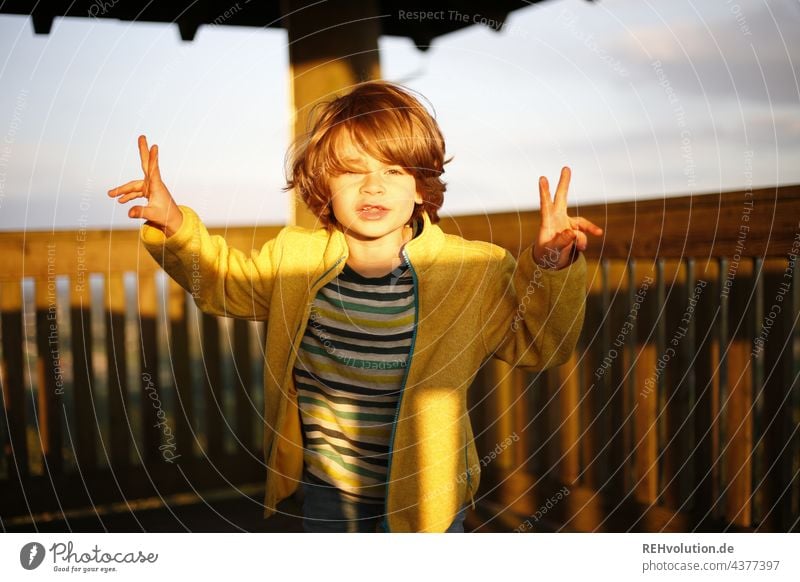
395, 171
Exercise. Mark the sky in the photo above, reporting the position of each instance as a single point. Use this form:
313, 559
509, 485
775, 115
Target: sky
642, 99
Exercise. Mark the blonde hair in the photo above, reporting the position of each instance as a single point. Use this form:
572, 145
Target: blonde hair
383, 120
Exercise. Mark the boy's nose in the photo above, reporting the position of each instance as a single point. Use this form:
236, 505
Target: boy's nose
372, 183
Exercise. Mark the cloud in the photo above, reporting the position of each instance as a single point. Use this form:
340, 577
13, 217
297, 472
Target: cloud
739, 53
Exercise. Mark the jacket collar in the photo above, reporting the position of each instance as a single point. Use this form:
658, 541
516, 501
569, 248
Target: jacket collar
421, 250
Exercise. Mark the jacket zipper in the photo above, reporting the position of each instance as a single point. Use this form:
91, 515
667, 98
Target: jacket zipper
403, 385
297, 331
307, 311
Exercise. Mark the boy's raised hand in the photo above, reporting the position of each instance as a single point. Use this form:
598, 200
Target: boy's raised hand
559, 234
161, 210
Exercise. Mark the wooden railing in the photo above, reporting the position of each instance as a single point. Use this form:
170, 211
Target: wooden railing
678, 411
115, 388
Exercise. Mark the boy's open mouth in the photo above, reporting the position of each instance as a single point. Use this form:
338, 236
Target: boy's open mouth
372, 211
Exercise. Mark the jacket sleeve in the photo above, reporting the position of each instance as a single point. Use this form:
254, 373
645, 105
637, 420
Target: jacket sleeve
531, 317
222, 280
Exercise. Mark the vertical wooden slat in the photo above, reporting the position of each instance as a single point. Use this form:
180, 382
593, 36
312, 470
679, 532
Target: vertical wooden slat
615, 406
154, 421
706, 380
592, 374
548, 438
503, 396
795, 419
86, 409
773, 337
757, 409
256, 388
243, 380
790, 474
50, 375
229, 385
721, 392
603, 389
120, 432
629, 371
645, 423
177, 310
687, 440
738, 477
212, 380
660, 384
673, 368
509, 460
5, 441
537, 427
569, 434
521, 418
16, 450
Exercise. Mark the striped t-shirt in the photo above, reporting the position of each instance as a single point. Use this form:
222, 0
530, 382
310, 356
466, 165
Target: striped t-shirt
349, 373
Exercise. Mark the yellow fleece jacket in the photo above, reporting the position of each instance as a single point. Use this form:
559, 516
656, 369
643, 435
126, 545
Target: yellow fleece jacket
473, 301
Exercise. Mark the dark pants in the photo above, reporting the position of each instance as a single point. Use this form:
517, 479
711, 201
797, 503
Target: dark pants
324, 510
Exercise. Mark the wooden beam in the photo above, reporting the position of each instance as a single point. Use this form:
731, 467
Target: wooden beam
25, 254
762, 222
332, 46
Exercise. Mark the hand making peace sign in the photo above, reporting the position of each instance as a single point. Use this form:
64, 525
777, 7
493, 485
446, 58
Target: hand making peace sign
558, 233
161, 210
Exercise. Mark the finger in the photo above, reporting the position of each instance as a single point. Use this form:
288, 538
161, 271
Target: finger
563, 239
544, 195
131, 186
142, 212
549, 254
586, 226
562, 188
155, 171
581, 241
143, 153
131, 196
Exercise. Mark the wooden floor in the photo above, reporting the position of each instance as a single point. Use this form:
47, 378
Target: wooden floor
233, 515
509, 502
228, 514
515, 500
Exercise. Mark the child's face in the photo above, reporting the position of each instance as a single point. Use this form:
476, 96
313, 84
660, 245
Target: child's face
374, 200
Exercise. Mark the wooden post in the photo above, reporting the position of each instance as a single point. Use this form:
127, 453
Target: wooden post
12, 336
332, 46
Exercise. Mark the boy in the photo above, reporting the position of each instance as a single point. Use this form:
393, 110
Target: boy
377, 322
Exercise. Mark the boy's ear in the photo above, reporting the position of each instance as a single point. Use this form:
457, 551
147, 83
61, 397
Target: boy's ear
418, 198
